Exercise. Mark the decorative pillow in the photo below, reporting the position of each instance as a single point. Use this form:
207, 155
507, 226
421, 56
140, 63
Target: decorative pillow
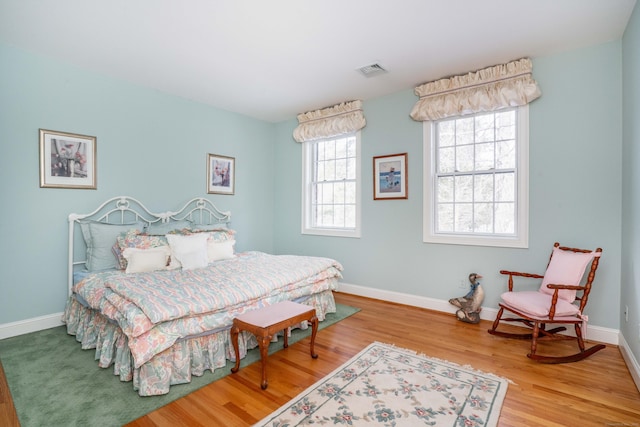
218, 233
121, 262
190, 250
135, 239
217, 251
222, 235
99, 238
142, 260
162, 228
565, 268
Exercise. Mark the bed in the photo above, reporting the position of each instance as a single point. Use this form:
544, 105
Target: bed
155, 294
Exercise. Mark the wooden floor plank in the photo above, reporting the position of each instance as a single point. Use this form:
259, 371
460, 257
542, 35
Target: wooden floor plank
597, 391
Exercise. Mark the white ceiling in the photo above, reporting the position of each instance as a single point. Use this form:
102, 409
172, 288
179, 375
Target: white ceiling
274, 59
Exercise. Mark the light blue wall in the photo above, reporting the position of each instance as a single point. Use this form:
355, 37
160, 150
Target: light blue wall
153, 146
575, 184
149, 145
630, 285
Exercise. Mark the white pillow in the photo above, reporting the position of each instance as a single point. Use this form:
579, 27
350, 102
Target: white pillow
217, 251
151, 259
190, 250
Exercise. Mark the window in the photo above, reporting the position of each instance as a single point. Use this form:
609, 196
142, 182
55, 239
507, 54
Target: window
476, 179
331, 189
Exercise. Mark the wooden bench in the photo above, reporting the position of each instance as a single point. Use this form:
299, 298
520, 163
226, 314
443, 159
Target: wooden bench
265, 322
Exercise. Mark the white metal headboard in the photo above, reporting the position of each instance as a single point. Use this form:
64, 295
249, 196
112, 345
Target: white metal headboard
124, 209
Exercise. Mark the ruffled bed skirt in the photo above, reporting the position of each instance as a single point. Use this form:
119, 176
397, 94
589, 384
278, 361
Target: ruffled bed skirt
176, 365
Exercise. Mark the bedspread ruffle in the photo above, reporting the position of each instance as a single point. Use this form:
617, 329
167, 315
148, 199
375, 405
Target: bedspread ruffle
175, 365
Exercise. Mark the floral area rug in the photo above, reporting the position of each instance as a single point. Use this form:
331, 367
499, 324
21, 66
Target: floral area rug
389, 386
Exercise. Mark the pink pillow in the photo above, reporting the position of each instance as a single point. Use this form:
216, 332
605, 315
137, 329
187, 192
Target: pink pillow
565, 268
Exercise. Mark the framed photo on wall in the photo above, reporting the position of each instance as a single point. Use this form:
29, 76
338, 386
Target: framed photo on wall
220, 174
390, 177
67, 160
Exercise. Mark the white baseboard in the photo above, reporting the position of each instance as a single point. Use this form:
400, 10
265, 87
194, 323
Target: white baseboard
631, 361
13, 329
594, 333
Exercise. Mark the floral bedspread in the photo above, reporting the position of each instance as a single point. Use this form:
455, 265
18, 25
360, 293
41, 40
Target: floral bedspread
156, 309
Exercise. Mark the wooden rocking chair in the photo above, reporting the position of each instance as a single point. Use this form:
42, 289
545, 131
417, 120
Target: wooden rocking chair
556, 302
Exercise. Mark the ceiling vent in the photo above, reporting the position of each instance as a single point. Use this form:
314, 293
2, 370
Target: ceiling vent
372, 70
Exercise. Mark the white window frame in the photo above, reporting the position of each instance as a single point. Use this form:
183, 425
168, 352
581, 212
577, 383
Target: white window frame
307, 168
521, 239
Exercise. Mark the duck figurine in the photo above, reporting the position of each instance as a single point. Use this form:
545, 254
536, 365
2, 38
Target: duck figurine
470, 305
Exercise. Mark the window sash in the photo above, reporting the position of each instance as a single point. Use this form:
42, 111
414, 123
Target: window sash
451, 217
331, 196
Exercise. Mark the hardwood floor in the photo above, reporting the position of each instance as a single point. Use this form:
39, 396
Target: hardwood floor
597, 391
8, 416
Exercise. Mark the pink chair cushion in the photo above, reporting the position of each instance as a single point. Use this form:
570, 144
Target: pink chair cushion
538, 304
565, 268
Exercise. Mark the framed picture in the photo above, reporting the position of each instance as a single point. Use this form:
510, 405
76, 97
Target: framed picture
390, 177
220, 174
67, 160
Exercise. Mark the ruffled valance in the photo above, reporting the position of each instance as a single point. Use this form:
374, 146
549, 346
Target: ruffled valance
329, 122
489, 89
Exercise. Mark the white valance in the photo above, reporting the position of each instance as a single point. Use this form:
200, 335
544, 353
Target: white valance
331, 121
489, 89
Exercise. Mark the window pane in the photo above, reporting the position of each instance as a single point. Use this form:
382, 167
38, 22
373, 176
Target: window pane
464, 188
338, 192
338, 218
463, 217
351, 147
446, 133
444, 189
327, 193
505, 125
485, 157
506, 154
341, 148
330, 149
464, 158
341, 169
505, 222
483, 188
319, 172
350, 216
327, 215
320, 151
330, 170
445, 218
505, 187
350, 192
351, 168
464, 131
483, 218
485, 128
446, 160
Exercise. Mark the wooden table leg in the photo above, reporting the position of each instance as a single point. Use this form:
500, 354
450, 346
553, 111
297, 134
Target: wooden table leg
263, 342
314, 331
234, 340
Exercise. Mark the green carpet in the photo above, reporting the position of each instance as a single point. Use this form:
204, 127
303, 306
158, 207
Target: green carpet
54, 382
